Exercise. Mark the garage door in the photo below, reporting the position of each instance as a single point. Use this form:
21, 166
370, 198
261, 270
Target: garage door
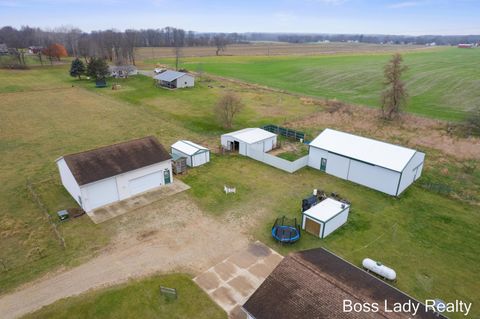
145, 183
102, 193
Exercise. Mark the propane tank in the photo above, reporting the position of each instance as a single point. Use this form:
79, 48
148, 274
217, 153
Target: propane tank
379, 269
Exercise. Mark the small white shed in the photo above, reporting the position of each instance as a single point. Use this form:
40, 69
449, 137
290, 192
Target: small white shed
325, 217
173, 79
196, 154
112, 173
255, 139
378, 165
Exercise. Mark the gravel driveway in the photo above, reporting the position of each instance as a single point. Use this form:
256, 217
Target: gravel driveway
173, 235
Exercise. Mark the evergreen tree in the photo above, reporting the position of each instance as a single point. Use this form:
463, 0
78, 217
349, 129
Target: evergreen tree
77, 69
97, 68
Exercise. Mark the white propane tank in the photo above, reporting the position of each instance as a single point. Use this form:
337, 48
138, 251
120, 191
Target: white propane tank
379, 269
315, 192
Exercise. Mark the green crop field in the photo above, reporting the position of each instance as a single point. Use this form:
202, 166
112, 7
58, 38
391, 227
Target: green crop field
137, 299
428, 235
442, 83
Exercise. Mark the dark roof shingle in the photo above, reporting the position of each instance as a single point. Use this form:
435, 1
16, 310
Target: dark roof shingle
313, 284
108, 161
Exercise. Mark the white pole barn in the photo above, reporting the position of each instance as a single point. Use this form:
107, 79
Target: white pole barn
255, 139
196, 154
378, 165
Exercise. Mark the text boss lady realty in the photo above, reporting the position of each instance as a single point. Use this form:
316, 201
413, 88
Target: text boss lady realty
408, 307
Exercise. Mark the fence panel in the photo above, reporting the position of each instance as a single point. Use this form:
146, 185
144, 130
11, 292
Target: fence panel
284, 131
278, 162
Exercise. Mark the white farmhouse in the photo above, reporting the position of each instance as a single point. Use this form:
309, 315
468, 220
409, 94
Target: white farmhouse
112, 173
378, 165
247, 139
173, 79
195, 154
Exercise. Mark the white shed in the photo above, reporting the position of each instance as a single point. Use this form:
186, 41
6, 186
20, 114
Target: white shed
325, 217
378, 165
247, 139
196, 154
173, 79
112, 173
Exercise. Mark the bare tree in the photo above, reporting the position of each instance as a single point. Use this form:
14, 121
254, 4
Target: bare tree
394, 96
228, 106
178, 41
220, 43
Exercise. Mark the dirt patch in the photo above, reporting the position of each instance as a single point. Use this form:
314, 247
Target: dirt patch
169, 235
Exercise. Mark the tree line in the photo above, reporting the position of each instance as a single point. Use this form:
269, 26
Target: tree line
112, 45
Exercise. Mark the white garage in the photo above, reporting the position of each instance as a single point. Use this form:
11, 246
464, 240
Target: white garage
378, 165
325, 217
195, 154
102, 176
255, 139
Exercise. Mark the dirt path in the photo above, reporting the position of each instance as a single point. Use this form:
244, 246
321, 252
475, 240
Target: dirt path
163, 237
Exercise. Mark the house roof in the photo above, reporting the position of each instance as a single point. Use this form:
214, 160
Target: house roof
169, 76
112, 160
188, 148
313, 284
364, 149
326, 209
251, 135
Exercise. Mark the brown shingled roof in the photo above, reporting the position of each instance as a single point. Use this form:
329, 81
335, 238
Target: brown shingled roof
313, 284
108, 161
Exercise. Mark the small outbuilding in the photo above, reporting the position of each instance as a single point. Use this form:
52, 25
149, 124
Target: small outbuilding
325, 217
112, 173
378, 165
174, 80
255, 139
195, 154
122, 71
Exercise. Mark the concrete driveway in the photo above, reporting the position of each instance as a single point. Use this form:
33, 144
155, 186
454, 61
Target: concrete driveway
105, 213
231, 282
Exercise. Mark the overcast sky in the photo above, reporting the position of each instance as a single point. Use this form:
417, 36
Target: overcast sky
412, 17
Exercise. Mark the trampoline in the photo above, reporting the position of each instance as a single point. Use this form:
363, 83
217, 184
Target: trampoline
285, 230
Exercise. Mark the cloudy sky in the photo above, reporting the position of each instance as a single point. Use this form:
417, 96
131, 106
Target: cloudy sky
412, 17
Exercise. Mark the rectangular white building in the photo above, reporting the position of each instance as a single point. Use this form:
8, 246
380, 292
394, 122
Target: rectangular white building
195, 154
173, 79
325, 217
112, 173
247, 139
378, 165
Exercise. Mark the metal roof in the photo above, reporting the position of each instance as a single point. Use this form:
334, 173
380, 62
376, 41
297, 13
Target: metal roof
188, 148
251, 135
326, 209
364, 149
169, 76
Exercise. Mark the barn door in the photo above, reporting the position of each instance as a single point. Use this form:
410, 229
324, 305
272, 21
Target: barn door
312, 227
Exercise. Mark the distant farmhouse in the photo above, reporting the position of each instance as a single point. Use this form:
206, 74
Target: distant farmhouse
466, 45
315, 284
174, 80
122, 71
35, 49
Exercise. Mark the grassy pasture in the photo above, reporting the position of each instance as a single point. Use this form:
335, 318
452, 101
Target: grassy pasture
137, 299
442, 83
429, 238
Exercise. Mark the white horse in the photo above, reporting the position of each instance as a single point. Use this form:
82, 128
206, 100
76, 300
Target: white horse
229, 190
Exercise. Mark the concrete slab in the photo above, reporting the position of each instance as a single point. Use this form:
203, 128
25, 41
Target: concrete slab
231, 282
107, 212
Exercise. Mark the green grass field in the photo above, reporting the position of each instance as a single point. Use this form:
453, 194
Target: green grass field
429, 237
442, 83
137, 299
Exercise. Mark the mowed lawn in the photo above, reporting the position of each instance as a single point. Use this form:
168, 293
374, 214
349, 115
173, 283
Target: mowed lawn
431, 240
442, 83
137, 299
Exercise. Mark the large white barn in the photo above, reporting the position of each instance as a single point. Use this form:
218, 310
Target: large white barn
112, 173
173, 79
378, 165
195, 154
255, 139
